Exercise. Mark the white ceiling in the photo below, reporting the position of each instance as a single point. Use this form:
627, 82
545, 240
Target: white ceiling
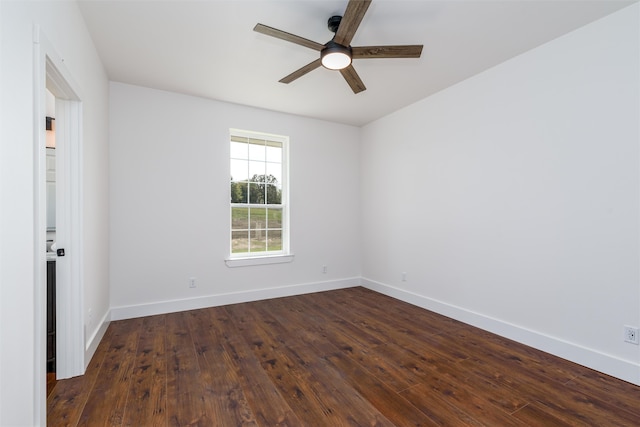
208, 48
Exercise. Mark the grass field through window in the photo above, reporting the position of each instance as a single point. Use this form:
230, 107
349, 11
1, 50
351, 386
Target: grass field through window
256, 229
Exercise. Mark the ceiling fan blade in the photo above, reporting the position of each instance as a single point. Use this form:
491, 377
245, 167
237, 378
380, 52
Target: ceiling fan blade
404, 51
273, 32
302, 71
353, 79
350, 21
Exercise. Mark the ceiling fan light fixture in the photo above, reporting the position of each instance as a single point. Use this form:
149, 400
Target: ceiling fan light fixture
335, 56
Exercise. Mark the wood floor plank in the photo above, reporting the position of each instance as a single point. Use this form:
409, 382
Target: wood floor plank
455, 376
331, 318
304, 340
106, 403
438, 347
484, 406
373, 358
444, 411
147, 397
268, 405
384, 399
392, 405
227, 404
66, 403
517, 354
304, 378
618, 393
557, 398
537, 414
572, 405
286, 373
468, 399
51, 382
552, 366
406, 315
186, 403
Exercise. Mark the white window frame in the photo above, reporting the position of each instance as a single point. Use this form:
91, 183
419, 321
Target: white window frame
269, 257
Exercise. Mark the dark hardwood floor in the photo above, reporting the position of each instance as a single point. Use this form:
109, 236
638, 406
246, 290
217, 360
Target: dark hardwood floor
350, 357
51, 382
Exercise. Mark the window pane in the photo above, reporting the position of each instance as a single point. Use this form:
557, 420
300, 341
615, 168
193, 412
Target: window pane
274, 240
239, 170
239, 218
273, 194
256, 193
274, 154
258, 241
239, 241
239, 150
257, 152
256, 169
274, 218
239, 192
274, 170
258, 218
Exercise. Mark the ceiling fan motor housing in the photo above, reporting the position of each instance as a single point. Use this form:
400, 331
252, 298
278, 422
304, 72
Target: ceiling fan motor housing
334, 23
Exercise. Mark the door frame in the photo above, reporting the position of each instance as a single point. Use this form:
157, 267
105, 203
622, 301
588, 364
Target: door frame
51, 73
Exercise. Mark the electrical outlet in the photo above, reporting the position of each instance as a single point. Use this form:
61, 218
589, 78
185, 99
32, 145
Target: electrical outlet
631, 335
404, 276
324, 269
192, 282
90, 317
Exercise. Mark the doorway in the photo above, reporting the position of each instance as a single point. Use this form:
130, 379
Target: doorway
50, 165
50, 74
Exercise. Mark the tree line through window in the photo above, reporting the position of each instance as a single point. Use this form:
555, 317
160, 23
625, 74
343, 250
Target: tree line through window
258, 189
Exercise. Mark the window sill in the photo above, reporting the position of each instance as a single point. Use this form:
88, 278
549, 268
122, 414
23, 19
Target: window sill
260, 260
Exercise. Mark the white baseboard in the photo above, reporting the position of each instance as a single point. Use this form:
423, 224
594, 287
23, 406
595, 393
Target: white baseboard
162, 307
92, 343
619, 368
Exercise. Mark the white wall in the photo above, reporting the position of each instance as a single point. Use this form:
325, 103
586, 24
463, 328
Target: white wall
511, 200
169, 160
63, 26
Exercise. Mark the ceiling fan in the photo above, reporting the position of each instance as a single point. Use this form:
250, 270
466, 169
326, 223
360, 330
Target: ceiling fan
337, 54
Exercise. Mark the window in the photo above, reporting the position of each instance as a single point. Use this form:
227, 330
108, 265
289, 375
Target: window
259, 209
